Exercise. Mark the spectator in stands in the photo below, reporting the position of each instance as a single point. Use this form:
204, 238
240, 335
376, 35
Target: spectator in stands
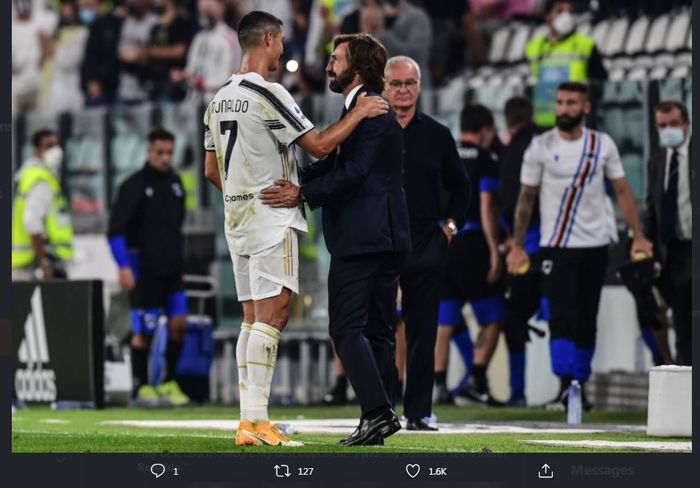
447, 48
214, 55
559, 56
484, 17
133, 42
30, 39
100, 69
401, 27
669, 217
62, 71
325, 19
167, 49
42, 234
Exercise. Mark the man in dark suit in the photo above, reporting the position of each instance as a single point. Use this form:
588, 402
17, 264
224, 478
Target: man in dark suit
669, 217
366, 228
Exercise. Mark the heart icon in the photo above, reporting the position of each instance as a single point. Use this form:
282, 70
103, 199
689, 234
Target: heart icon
412, 470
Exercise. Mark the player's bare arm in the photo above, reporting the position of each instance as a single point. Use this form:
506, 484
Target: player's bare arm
320, 144
518, 259
489, 218
625, 198
211, 169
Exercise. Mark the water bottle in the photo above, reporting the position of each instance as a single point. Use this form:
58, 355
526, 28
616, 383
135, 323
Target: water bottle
574, 406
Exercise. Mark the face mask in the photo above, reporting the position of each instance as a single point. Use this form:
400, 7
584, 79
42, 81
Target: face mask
671, 136
87, 16
52, 159
158, 9
564, 23
207, 21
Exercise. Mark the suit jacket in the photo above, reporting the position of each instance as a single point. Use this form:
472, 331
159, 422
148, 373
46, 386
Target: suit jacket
656, 175
360, 188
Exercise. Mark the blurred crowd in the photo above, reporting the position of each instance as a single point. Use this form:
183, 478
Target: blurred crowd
67, 54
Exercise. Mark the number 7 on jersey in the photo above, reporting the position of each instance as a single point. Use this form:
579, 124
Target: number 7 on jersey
224, 127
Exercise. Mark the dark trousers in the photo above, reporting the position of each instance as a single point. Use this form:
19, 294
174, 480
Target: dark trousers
524, 295
421, 278
676, 287
573, 280
361, 306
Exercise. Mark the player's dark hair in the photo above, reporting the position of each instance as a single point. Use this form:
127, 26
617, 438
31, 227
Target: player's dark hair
667, 106
254, 25
574, 86
518, 111
475, 117
39, 136
550, 4
160, 134
366, 57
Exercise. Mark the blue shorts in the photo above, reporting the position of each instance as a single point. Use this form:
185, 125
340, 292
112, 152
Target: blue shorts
487, 310
144, 321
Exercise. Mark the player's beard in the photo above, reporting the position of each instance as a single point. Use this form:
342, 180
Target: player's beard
341, 81
567, 123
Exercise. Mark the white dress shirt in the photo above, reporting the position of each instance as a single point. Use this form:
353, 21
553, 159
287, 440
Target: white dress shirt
351, 95
684, 229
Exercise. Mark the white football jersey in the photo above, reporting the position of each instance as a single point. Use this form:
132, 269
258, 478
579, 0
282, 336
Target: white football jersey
252, 125
571, 178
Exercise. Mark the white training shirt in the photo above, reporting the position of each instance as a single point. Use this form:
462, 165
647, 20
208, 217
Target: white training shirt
252, 125
570, 176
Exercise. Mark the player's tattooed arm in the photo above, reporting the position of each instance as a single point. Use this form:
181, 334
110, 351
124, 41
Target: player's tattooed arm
518, 261
523, 213
211, 169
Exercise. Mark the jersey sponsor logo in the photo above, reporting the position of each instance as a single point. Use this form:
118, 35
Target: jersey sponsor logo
238, 198
228, 105
35, 382
468, 152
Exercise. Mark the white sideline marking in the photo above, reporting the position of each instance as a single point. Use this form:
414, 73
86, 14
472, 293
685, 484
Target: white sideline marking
343, 426
54, 421
634, 445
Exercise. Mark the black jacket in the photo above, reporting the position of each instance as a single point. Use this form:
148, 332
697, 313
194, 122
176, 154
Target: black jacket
656, 176
149, 213
360, 187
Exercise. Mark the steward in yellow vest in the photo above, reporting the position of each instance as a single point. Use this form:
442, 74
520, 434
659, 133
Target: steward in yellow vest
561, 55
42, 233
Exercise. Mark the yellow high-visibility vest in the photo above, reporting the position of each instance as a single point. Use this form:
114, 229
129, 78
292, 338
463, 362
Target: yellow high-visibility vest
59, 229
555, 63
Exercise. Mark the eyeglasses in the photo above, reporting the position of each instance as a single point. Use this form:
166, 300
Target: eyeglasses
408, 84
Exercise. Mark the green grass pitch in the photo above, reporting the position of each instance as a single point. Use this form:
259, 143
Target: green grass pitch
39, 429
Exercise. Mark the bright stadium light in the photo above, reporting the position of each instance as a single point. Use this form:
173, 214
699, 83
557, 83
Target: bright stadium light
292, 65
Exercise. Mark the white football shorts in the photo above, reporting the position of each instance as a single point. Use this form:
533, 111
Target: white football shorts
264, 274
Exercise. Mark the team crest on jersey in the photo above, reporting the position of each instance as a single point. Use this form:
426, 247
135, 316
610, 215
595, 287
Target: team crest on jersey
299, 112
547, 266
149, 191
177, 190
556, 158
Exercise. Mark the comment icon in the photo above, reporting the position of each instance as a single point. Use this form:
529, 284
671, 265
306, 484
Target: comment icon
157, 470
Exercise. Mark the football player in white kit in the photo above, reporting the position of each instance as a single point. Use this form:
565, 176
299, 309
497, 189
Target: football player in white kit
251, 126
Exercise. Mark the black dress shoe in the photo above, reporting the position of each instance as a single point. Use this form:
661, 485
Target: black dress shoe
377, 441
420, 424
380, 426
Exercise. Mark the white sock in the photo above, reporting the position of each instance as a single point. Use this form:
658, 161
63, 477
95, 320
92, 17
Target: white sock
260, 359
241, 348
